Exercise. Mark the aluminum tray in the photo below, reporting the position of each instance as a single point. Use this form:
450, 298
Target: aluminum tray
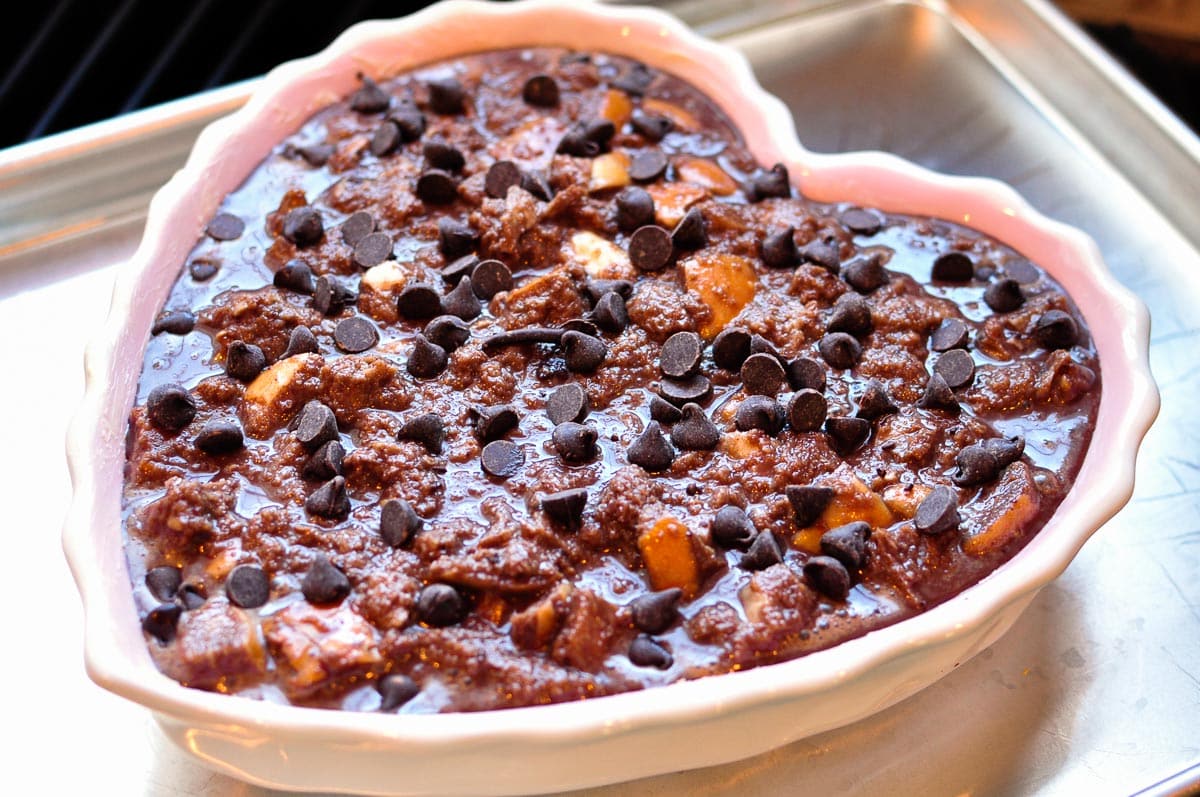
1095, 688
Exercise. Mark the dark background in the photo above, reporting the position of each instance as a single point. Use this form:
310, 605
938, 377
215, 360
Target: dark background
65, 63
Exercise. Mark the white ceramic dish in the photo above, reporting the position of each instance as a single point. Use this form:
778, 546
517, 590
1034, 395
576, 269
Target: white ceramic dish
684, 725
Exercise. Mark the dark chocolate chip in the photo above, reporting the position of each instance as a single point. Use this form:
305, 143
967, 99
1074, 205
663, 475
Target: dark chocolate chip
395, 689
635, 208
840, 350
170, 407
410, 121
535, 182
518, 337
326, 462
950, 334
357, 227
874, 402
581, 325
582, 353
248, 587
808, 502
447, 96
163, 582
501, 176
161, 621
191, 596
316, 425
202, 270
457, 270
502, 458
386, 138
680, 355
1022, 271
373, 249
805, 372
1004, 295
651, 450
828, 576
848, 544
174, 322
436, 187
663, 411
693, 389
806, 410
324, 583
690, 232
315, 155
244, 361
938, 512
490, 278
610, 313
427, 359
953, 267
938, 395
596, 289
635, 80
574, 442
440, 154
650, 248
732, 528
398, 523
771, 183
492, 423
449, 331
301, 340
295, 276
762, 375
303, 226
648, 165
462, 303
975, 465
565, 508
850, 314
865, 274
369, 98
575, 142
653, 126
1055, 329
419, 301
355, 334
694, 431
329, 500
759, 412
225, 227
847, 434
1006, 450
957, 367
440, 605
540, 90
426, 429
764, 551
760, 345
731, 348
655, 612
330, 296
457, 240
567, 403
863, 222
645, 652
219, 437
779, 248
822, 252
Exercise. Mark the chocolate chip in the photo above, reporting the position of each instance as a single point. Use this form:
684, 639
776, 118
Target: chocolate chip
329, 500
975, 465
427, 359
650, 450
395, 689
764, 551
581, 325
938, 395
244, 361
847, 434
518, 337
191, 596
860, 221
760, 345
847, 544
447, 96
1004, 295
216, 438
355, 334
655, 612
248, 586
386, 138
373, 249
865, 274
808, 502
565, 508
680, 355
778, 248
648, 165
449, 331
410, 121
174, 322
315, 425
575, 142
326, 462
650, 248
663, 411
951, 334
574, 442
492, 423
1055, 329
436, 187
635, 208
163, 582
693, 389
440, 605
535, 183
202, 270
806, 410
398, 523
369, 98
762, 375
653, 126
300, 341
840, 350
502, 458
582, 353
610, 313
457, 239
170, 407
225, 227
731, 348
805, 372
295, 276
460, 303
635, 80
771, 183
938, 512
501, 176
759, 412
694, 431
732, 528
324, 583
161, 621
874, 402
426, 429
822, 252
957, 367
303, 226
540, 90
490, 278
953, 267
690, 233
828, 576
567, 403
440, 154
850, 314
1005, 450
419, 301
596, 289
357, 227
645, 652
315, 155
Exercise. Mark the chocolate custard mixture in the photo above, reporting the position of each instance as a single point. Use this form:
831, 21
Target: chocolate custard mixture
516, 380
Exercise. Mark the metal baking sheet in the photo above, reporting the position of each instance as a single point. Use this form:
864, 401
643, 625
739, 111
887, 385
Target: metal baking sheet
1095, 689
